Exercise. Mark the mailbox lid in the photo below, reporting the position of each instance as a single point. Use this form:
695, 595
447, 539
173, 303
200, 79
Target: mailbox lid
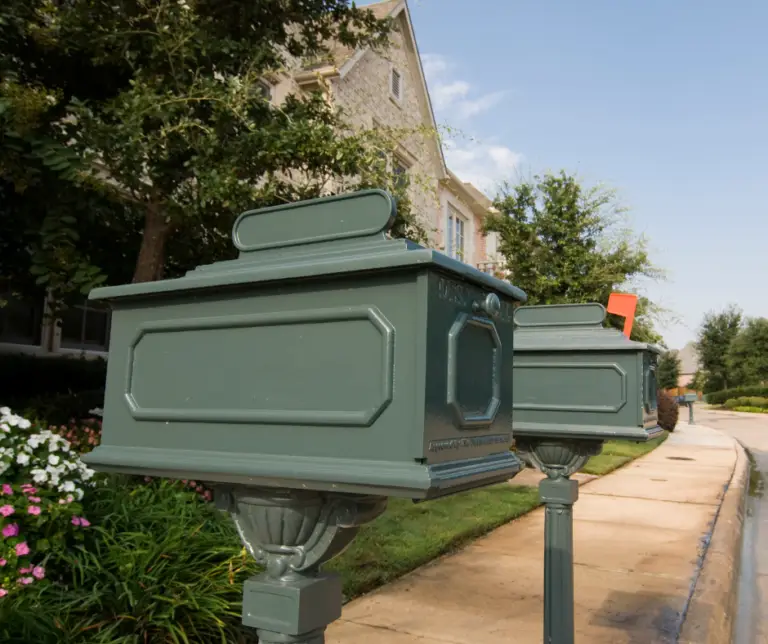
570, 327
330, 236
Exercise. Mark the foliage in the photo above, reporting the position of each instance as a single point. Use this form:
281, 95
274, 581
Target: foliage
719, 397
698, 381
747, 356
28, 381
561, 244
157, 565
155, 113
668, 411
757, 402
751, 410
668, 370
715, 335
40, 511
64, 408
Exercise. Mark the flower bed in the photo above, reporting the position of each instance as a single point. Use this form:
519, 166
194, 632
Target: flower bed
44, 481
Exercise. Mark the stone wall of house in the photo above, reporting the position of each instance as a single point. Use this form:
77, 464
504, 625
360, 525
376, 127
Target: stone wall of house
365, 95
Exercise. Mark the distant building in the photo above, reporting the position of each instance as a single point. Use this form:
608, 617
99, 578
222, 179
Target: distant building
689, 364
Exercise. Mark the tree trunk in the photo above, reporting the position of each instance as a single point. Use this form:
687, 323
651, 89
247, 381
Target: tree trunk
149, 265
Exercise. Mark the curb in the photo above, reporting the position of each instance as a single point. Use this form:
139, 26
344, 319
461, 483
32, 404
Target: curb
711, 613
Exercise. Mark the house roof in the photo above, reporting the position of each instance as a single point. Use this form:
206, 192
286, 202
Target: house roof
689, 359
344, 58
479, 203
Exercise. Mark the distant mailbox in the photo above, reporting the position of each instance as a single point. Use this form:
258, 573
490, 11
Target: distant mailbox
689, 398
575, 379
326, 357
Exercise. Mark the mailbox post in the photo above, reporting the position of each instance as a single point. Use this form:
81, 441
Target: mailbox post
323, 371
689, 399
576, 384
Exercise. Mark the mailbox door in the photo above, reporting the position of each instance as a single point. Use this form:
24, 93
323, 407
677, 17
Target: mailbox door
468, 370
650, 385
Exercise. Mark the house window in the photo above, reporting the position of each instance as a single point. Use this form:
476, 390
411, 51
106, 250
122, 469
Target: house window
21, 320
265, 90
400, 172
396, 85
456, 228
85, 327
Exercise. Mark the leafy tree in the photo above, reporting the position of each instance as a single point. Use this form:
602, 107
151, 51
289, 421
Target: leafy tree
699, 380
716, 334
747, 356
668, 370
561, 244
155, 110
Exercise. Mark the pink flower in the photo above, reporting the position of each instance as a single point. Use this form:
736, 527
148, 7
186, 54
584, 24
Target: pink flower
28, 489
2, 562
26, 580
34, 499
3, 592
81, 521
22, 549
7, 489
25, 571
34, 509
38, 572
11, 530
7, 510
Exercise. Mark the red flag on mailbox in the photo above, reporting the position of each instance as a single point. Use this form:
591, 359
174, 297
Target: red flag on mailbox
623, 304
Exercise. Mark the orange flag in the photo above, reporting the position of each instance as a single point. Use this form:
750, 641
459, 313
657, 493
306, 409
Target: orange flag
623, 304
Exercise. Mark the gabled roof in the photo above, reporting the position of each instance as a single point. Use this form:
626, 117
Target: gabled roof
344, 59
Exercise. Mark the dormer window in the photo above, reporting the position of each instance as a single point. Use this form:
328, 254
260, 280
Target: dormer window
396, 85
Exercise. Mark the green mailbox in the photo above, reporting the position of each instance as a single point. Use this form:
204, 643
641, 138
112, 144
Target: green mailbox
576, 384
576, 379
325, 369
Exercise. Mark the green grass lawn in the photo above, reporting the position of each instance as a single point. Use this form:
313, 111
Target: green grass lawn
409, 535
618, 453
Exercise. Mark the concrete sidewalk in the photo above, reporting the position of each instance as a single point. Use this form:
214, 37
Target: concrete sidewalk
637, 538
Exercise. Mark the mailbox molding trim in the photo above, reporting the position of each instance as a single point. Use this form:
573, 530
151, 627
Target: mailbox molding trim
574, 365
361, 418
485, 419
407, 480
596, 432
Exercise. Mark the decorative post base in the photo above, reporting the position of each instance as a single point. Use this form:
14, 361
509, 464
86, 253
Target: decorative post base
558, 459
292, 533
690, 414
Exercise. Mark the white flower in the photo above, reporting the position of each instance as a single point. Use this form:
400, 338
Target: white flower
68, 486
24, 423
22, 458
53, 459
4, 426
39, 476
5, 411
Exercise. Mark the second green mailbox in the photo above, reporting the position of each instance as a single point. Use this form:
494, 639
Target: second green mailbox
576, 379
326, 357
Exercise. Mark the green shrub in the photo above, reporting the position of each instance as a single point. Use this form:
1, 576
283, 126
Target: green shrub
30, 378
756, 402
59, 409
719, 397
157, 565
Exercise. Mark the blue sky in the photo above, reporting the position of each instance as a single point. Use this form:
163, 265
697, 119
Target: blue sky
664, 100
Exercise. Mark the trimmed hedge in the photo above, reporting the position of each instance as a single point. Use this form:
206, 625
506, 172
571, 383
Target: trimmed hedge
719, 397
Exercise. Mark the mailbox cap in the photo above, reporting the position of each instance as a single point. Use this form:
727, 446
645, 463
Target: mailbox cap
315, 238
577, 327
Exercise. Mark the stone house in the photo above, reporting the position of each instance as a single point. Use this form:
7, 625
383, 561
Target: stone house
375, 89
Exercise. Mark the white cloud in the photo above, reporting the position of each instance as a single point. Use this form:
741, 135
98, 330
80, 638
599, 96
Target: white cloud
452, 97
486, 164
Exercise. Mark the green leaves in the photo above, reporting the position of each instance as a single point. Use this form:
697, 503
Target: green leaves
562, 241
668, 370
717, 332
